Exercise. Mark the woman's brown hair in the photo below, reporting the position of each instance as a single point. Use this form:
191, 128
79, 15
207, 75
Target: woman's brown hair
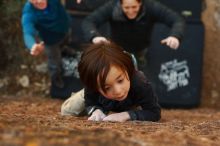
139, 1
96, 61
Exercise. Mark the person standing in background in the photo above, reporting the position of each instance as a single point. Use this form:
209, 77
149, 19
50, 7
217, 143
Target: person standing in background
46, 26
131, 24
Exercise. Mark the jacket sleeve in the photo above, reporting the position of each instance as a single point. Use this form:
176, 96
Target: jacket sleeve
167, 16
28, 28
96, 19
91, 102
146, 99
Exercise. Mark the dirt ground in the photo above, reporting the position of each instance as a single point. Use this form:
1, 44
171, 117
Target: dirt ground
37, 122
29, 119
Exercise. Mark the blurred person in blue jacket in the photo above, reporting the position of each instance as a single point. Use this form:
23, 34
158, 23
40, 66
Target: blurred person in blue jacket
46, 26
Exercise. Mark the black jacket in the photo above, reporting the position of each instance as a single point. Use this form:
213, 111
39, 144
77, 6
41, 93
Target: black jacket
140, 95
132, 35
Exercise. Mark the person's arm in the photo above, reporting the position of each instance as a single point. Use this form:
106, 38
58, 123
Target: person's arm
96, 19
94, 110
29, 34
146, 99
170, 18
29, 31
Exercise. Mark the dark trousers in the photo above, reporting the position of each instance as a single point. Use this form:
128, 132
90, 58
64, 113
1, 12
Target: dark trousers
54, 54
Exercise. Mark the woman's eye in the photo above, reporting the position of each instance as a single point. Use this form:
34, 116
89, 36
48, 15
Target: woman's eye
134, 7
120, 81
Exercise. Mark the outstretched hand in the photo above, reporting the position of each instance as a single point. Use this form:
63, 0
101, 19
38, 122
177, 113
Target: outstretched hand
118, 117
171, 42
37, 48
96, 40
97, 115
78, 1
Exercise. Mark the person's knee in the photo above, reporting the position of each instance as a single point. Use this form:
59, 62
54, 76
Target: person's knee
72, 108
74, 105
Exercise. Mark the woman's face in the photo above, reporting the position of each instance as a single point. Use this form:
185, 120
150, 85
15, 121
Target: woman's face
39, 4
117, 84
131, 8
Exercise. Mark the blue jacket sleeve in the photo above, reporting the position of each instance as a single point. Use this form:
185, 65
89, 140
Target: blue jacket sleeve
29, 30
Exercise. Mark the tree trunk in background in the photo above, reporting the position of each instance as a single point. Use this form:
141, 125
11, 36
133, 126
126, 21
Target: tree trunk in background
3, 57
3, 54
11, 42
211, 68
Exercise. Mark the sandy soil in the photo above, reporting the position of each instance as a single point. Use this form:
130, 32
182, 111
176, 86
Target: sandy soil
36, 121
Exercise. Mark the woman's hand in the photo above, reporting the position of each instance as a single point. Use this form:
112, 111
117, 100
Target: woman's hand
96, 40
37, 49
78, 1
171, 42
97, 115
118, 117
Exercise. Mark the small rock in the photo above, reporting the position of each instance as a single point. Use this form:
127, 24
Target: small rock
41, 68
24, 81
23, 66
3, 82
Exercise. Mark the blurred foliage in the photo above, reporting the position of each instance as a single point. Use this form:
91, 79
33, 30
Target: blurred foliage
15, 60
11, 40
